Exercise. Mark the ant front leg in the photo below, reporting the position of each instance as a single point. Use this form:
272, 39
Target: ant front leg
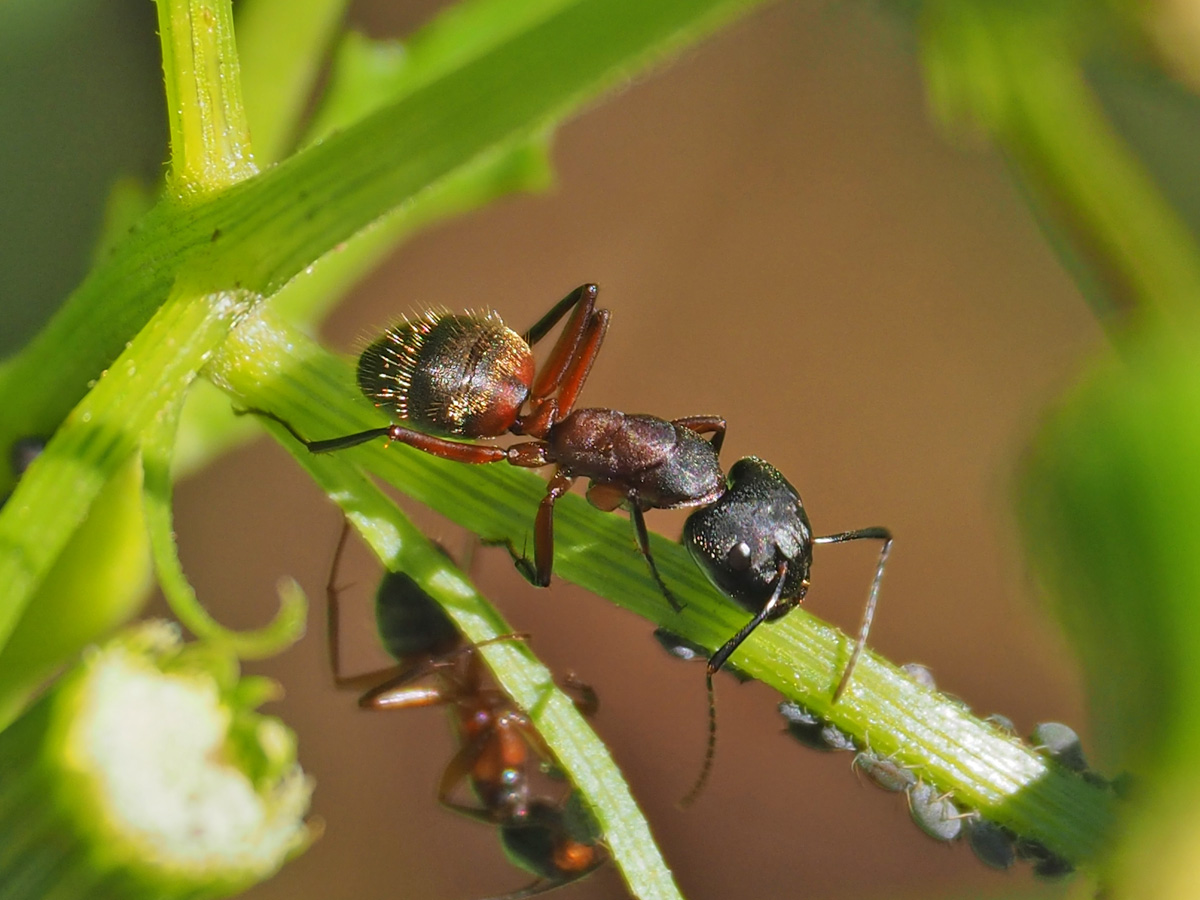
872, 534
713, 425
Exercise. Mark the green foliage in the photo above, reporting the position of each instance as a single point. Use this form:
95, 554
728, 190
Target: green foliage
213, 278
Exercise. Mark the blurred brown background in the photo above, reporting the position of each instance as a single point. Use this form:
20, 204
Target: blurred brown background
786, 240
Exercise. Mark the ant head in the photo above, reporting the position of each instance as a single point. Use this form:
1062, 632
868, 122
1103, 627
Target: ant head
741, 539
465, 376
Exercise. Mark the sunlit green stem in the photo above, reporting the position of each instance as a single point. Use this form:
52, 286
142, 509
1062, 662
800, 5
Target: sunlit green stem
210, 142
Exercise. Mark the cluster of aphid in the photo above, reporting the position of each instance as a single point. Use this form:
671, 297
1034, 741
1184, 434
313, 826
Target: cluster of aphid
935, 812
501, 756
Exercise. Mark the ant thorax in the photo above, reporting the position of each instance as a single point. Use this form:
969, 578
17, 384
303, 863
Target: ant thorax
459, 375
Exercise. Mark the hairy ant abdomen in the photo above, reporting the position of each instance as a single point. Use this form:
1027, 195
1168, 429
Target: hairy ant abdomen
457, 375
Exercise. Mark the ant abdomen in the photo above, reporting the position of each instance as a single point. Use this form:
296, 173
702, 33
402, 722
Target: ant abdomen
411, 622
458, 375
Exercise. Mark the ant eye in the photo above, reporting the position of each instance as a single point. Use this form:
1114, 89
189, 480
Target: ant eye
738, 557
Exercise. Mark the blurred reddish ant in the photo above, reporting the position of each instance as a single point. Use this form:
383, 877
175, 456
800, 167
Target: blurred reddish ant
555, 839
470, 376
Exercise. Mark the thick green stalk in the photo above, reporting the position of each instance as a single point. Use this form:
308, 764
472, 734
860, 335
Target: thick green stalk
210, 143
146, 381
282, 45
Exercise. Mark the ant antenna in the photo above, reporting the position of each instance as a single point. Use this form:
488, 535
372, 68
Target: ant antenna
710, 751
878, 534
717, 660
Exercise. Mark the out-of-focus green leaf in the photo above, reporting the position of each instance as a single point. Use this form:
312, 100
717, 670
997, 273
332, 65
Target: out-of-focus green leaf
1015, 71
1110, 504
99, 582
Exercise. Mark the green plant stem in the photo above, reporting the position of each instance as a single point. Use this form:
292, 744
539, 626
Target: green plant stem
266, 365
210, 142
145, 382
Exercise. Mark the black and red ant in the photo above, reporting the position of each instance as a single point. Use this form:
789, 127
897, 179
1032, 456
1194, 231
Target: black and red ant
470, 376
554, 838
755, 545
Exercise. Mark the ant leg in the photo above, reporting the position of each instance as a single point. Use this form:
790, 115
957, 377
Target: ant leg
456, 451
643, 540
586, 700
457, 771
714, 665
522, 562
340, 443
397, 690
546, 410
713, 425
583, 301
585, 294
874, 534
543, 529
333, 643
572, 380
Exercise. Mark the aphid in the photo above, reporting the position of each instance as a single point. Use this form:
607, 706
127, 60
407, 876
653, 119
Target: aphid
689, 651
1003, 722
469, 376
934, 812
1046, 863
811, 730
992, 844
1061, 743
885, 772
499, 752
920, 674
755, 544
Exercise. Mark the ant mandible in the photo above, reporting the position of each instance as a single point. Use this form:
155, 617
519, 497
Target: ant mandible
755, 545
554, 839
469, 376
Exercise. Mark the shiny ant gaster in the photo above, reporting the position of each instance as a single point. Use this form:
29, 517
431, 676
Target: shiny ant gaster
469, 376
553, 838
